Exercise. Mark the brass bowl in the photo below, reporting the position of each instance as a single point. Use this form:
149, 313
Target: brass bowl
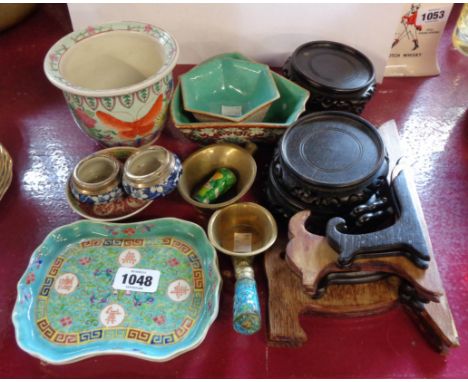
242, 229
6, 171
202, 163
12, 14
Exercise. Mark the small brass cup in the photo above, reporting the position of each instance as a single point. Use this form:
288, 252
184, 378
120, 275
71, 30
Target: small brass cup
229, 229
243, 230
202, 163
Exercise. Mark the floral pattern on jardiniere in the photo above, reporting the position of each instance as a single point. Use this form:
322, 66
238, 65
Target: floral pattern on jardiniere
113, 124
134, 120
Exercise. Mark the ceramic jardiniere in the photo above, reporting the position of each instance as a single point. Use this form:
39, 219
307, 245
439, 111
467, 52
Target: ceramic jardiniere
117, 80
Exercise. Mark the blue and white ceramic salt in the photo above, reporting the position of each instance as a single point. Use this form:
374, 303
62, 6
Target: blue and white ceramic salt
151, 173
96, 179
114, 194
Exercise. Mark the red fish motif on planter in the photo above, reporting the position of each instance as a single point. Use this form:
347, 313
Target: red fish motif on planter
85, 118
140, 127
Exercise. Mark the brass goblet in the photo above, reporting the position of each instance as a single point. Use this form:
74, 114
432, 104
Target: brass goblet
243, 230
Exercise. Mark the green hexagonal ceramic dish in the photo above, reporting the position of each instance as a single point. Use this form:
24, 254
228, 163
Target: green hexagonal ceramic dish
226, 88
282, 113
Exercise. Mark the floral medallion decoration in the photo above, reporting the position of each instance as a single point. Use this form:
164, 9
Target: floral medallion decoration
134, 123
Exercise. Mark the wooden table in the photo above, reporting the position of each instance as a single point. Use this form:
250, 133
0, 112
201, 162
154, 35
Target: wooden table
38, 131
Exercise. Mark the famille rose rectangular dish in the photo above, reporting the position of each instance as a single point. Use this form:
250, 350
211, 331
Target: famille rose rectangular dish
149, 290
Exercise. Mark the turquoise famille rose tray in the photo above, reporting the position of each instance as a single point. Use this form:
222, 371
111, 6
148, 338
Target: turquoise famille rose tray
149, 290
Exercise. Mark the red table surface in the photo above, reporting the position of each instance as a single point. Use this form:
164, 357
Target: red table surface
38, 131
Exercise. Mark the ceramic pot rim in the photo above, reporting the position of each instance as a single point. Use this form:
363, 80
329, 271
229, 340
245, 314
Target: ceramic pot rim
57, 51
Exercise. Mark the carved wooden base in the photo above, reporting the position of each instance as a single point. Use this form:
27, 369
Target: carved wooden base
312, 258
287, 301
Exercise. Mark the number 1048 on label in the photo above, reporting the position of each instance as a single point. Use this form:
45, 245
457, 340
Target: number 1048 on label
137, 280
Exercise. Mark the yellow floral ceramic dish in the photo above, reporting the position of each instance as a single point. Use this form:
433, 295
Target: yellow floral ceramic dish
6, 171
